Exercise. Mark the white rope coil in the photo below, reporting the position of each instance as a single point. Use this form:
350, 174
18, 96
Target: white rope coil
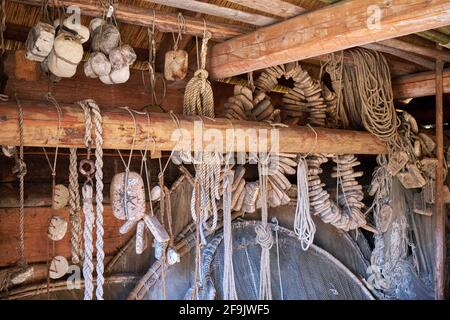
304, 226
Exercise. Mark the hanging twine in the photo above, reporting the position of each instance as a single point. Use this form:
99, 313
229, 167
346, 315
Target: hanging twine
198, 95
20, 169
229, 286
74, 203
304, 226
90, 107
263, 233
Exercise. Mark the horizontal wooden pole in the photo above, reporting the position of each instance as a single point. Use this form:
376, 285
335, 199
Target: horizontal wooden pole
419, 85
164, 21
333, 28
40, 129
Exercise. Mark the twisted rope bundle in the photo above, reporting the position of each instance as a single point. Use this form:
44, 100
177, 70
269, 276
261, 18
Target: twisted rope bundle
74, 203
92, 112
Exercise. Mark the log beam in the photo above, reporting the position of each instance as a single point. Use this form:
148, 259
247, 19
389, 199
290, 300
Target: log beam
40, 130
164, 22
330, 29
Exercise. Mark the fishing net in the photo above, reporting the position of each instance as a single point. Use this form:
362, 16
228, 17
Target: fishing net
402, 260
313, 274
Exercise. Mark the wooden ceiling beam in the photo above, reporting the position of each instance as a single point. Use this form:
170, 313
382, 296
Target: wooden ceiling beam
330, 29
278, 8
431, 53
118, 132
409, 56
419, 85
218, 11
164, 22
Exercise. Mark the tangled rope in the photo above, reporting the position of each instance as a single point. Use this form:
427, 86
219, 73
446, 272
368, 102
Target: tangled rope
304, 226
74, 203
90, 107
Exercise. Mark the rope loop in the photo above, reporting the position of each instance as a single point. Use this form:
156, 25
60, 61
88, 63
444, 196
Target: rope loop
264, 236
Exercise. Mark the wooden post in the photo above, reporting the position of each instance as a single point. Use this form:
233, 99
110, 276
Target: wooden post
40, 129
440, 208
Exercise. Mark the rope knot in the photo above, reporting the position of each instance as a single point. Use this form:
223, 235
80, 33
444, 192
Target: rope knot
202, 74
264, 237
20, 168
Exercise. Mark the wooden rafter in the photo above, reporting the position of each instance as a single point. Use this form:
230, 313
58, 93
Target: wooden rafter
215, 10
118, 130
330, 29
165, 22
430, 53
419, 85
278, 8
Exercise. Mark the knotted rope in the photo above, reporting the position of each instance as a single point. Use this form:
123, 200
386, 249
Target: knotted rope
74, 203
304, 226
263, 233
92, 112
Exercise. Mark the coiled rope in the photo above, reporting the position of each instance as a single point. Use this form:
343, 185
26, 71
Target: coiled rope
304, 226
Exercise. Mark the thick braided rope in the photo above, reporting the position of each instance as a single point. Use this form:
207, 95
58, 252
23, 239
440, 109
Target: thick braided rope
264, 234
304, 226
88, 265
88, 210
74, 203
100, 256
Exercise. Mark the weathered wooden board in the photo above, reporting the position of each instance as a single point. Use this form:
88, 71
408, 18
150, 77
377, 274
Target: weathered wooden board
38, 247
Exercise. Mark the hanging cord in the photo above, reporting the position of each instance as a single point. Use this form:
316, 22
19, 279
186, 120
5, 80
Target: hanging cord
304, 226
229, 286
276, 228
74, 203
20, 169
263, 233
153, 76
198, 95
181, 29
128, 164
55, 103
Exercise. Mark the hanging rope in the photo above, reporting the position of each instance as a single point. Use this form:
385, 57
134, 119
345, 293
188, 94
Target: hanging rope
90, 107
229, 286
304, 226
198, 95
20, 169
263, 233
98, 121
74, 203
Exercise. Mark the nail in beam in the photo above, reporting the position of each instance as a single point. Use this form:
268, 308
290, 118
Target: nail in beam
40, 128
